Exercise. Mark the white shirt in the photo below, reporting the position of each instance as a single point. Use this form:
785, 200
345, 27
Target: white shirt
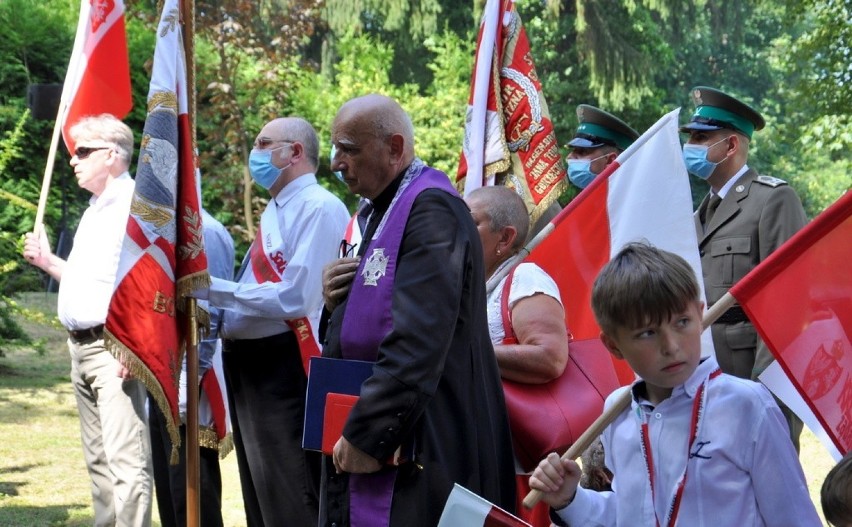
744, 471
528, 280
312, 222
88, 278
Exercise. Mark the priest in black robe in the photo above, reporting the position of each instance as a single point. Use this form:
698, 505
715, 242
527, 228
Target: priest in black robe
434, 396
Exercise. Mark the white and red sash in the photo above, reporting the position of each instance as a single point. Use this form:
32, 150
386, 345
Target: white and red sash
268, 261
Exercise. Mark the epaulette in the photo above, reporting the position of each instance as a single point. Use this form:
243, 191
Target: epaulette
770, 181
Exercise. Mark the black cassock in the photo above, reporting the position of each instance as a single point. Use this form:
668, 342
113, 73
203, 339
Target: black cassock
436, 379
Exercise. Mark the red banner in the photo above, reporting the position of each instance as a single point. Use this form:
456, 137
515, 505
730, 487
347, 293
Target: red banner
163, 257
509, 136
98, 78
800, 301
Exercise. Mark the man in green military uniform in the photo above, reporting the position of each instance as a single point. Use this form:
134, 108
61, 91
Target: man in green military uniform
740, 222
599, 139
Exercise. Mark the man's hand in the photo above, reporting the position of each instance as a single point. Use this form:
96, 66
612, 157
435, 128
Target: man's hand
337, 279
124, 372
37, 248
348, 458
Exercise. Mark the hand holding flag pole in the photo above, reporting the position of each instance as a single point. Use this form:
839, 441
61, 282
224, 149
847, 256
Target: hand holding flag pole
619, 405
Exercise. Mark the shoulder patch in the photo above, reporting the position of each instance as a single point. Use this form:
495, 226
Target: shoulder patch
770, 181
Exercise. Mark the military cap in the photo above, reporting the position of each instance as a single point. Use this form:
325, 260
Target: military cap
598, 128
715, 110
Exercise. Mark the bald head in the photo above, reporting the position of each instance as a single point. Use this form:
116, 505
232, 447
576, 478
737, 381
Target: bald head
297, 130
383, 117
374, 142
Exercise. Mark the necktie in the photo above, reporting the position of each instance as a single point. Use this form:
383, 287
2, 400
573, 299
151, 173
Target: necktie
712, 205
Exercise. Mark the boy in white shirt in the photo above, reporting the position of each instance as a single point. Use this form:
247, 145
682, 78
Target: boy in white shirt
696, 445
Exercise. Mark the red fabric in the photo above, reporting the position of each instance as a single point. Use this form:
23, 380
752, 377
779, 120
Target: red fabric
800, 301
210, 385
102, 67
515, 95
163, 252
142, 316
264, 272
582, 231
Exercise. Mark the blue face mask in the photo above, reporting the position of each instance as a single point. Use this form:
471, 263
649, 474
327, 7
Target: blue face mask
695, 157
337, 173
580, 171
262, 170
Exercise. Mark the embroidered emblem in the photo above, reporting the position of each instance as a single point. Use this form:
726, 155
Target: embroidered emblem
100, 10
375, 267
279, 261
696, 98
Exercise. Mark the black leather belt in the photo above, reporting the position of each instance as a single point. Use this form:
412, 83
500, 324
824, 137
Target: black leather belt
84, 336
733, 315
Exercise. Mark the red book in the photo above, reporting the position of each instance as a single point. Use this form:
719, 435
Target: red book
337, 408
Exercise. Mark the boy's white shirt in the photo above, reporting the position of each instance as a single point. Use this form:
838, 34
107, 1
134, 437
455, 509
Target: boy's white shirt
743, 470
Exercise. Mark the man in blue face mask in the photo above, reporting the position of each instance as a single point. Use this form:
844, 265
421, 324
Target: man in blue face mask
743, 219
599, 139
270, 316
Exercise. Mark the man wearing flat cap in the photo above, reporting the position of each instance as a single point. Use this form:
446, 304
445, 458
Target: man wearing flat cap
740, 222
599, 139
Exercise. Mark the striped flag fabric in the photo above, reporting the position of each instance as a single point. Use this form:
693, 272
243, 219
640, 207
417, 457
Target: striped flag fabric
509, 135
98, 77
643, 195
466, 509
163, 258
800, 301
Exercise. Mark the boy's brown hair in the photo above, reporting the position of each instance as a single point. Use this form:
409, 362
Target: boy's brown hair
836, 493
642, 285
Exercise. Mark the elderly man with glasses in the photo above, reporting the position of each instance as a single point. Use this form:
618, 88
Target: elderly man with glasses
111, 404
270, 314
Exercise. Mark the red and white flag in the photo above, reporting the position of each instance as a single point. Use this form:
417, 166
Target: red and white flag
98, 78
643, 195
800, 301
466, 509
508, 131
163, 258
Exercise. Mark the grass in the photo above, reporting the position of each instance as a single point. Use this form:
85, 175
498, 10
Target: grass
43, 479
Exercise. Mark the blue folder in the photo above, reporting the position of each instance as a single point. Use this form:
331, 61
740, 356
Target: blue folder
328, 375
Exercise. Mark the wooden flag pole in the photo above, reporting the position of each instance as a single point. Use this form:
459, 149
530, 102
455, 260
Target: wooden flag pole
48, 170
193, 479
619, 405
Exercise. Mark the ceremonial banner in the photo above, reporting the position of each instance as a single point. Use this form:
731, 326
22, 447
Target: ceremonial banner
98, 78
508, 132
464, 508
162, 259
800, 301
643, 195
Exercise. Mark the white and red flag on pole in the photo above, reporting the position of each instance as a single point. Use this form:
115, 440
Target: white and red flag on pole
464, 508
98, 78
163, 258
643, 195
800, 301
508, 132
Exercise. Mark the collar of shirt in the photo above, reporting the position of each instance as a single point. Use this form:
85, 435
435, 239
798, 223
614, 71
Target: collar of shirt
292, 188
111, 192
731, 182
690, 387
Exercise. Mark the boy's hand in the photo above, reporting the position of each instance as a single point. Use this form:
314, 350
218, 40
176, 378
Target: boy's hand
557, 480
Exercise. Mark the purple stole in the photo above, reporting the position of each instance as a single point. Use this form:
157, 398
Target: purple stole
367, 320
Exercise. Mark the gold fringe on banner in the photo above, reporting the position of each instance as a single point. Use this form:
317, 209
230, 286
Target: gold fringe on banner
140, 371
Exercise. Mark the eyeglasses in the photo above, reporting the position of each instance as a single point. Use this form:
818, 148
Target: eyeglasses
263, 143
82, 152
347, 249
